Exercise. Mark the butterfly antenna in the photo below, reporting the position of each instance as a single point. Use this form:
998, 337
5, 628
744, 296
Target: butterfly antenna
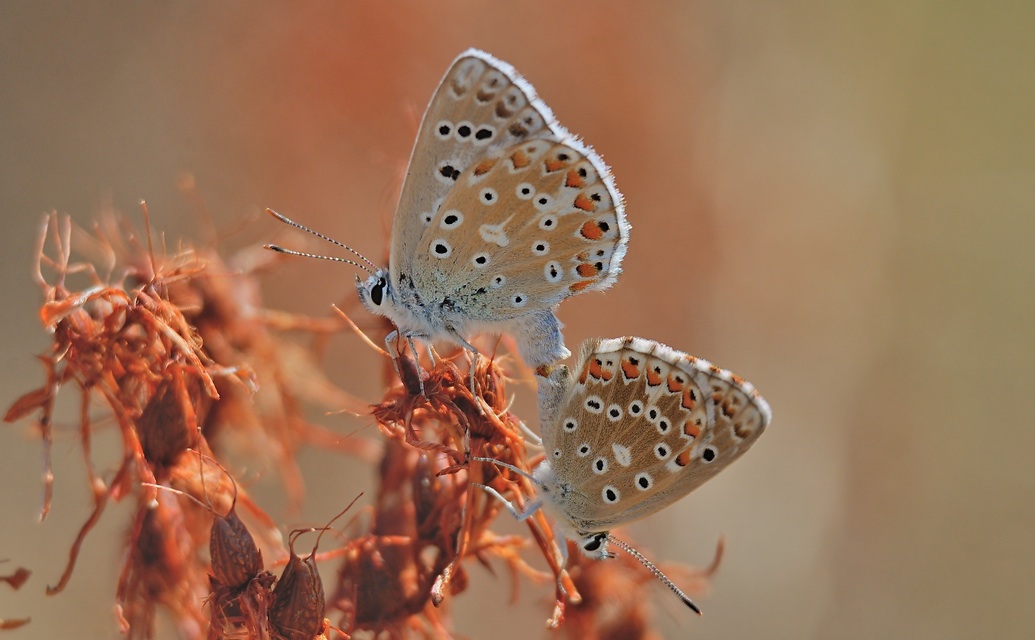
291, 252
297, 225
656, 571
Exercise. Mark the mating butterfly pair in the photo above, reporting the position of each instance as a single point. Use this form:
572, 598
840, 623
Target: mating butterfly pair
503, 215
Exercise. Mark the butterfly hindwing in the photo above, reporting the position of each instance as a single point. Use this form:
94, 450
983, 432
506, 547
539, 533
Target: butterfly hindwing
642, 425
522, 229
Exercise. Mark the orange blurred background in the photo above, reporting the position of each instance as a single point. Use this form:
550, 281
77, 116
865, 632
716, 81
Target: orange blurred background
834, 200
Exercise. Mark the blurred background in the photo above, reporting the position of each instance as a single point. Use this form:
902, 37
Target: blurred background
847, 188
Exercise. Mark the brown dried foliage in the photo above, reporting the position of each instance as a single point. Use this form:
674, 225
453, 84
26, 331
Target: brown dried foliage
138, 348
426, 498
169, 351
15, 581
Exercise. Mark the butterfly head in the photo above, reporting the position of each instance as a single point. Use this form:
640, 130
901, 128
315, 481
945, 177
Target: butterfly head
376, 292
594, 545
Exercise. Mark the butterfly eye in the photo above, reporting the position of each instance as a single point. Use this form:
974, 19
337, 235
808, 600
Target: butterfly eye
594, 543
377, 292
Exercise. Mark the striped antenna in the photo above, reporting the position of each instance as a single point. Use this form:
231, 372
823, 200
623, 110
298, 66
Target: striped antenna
289, 221
656, 571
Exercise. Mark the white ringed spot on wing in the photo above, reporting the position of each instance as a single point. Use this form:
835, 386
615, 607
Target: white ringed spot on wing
451, 219
441, 249
594, 405
643, 481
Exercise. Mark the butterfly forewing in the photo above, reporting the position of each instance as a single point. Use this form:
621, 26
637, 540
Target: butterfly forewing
480, 106
523, 229
643, 425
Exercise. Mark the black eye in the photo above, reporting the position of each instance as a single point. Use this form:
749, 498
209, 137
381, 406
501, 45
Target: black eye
595, 543
377, 292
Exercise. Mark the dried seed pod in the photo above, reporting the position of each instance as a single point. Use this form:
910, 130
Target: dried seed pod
298, 600
298, 606
236, 559
168, 424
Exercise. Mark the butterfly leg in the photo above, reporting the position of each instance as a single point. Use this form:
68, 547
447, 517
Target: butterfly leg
474, 364
519, 515
525, 514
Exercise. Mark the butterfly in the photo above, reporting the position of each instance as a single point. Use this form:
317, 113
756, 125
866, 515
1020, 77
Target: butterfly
637, 427
503, 214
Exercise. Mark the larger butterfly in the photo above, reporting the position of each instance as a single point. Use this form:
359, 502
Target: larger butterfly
503, 214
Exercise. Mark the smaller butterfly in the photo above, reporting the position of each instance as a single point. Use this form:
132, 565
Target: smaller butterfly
503, 214
638, 427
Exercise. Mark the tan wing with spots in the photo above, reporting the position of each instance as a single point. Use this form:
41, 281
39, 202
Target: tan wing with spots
481, 105
657, 422
522, 230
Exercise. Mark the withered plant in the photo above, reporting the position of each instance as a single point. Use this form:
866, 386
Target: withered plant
176, 350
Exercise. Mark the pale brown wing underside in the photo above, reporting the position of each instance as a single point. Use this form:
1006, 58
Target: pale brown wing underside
522, 230
643, 425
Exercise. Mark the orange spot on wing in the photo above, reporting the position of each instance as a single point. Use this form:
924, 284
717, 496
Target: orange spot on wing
691, 430
484, 166
575, 180
689, 399
683, 459
553, 164
595, 369
520, 159
579, 286
584, 203
630, 370
653, 378
587, 270
584, 374
591, 231
674, 386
